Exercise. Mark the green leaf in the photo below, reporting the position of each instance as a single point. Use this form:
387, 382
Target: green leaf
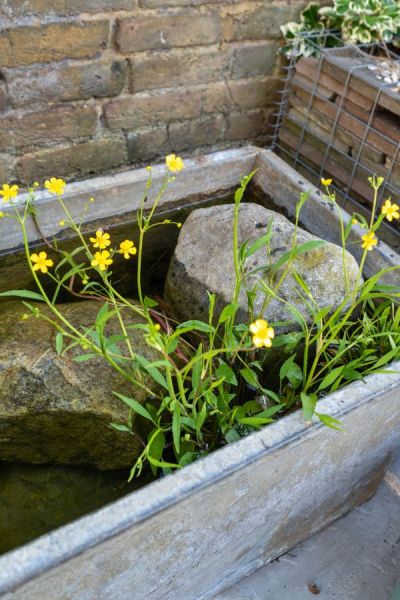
161, 464
269, 412
149, 302
201, 417
309, 402
291, 371
250, 377
83, 357
193, 324
176, 428
120, 427
153, 371
172, 345
260, 242
24, 294
187, 458
330, 421
255, 421
227, 373
156, 443
135, 406
232, 436
59, 343
330, 378
197, 369
228, 311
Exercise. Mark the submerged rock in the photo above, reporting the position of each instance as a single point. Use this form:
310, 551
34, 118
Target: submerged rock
56, 410
203, 262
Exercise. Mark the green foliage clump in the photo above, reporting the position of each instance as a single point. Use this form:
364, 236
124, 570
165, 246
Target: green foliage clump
211, 382
354, 21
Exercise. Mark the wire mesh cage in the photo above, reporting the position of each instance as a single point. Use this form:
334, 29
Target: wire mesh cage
339, 117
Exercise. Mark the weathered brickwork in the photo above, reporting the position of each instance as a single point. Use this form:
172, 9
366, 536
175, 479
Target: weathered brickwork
87, 86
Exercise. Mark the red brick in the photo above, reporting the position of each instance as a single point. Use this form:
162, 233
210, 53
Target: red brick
164, 3
261, 21
178, 67
42, 128
76, 160
254, 60
167, 31
66, 82
52, 42
247, 125
22, 8
148, 144
143, 110
203, 132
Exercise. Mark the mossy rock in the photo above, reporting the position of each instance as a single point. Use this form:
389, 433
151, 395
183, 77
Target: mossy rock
56, 410
203, 262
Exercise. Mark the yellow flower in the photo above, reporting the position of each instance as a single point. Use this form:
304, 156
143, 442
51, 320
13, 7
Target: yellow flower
157, 326
354, 221
55, 186
102, 240
174, 163
127, 248
326, 181
369, 240
102, 260
41, 262
8, 192
262, 334
391, 211
62, 223
179, 225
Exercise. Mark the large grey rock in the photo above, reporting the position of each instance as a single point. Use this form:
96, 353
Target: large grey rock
55, 410
203, 261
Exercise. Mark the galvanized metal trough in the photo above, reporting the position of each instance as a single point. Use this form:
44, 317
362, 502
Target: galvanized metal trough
191, 534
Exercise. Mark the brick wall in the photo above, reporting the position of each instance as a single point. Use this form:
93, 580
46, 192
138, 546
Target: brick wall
87, 86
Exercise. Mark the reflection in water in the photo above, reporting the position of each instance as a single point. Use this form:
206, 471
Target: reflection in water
35, 499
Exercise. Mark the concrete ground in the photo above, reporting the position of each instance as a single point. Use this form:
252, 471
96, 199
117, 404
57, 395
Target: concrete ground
355, 558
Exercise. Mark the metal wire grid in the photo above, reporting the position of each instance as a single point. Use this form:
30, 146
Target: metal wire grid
345, 192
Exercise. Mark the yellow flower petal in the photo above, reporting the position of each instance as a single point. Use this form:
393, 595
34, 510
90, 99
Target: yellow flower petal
55, 186
174, 163
9, 191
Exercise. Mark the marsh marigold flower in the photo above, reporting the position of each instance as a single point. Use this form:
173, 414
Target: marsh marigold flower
102, 240
127, 249
41, 262
391, 211
326, 181
55, 186
174, 163
8, 192
369, 240
262, 334
102, 260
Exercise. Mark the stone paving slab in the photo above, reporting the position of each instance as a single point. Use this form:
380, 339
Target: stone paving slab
355, 558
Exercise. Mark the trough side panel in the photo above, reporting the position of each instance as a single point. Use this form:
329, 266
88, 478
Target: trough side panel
234, 526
